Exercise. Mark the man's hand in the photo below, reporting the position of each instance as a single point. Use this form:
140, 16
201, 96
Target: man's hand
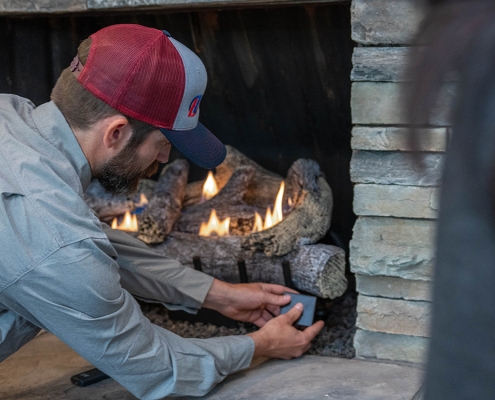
249, 302
279, 339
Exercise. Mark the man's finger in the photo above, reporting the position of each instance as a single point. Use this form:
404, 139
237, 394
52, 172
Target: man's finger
294, 313
263, 319
276, 299
277, 289
311, 331
274, 310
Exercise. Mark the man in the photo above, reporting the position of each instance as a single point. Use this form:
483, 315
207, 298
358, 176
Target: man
129, 94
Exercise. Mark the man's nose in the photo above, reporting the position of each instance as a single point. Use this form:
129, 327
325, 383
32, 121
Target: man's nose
164, 153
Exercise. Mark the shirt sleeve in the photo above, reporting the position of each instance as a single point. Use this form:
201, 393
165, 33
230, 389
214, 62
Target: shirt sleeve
152, 277
76, 295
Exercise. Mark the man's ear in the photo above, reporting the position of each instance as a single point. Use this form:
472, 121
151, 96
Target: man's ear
116, 133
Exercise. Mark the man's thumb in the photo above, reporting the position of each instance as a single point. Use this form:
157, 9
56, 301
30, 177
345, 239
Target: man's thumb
295, 312
277, 299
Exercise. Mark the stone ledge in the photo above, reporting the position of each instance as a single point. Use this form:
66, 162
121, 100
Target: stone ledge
396, 201
396, 288
19, 7
41, 6
37, 372
385, 346
395, 247
400, 317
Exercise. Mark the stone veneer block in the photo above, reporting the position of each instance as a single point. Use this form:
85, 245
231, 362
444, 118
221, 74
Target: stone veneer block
386, 346
388, 168
42, 6
384, 21
396, 201
396, 247
397, 139
390, 287
381, 103
400, 317
379, 64
105, 4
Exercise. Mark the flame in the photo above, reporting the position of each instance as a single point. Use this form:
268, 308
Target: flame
214, 225
142, 201
128, 224
210, 187
277, 215
258, 223
268, 219
271, 218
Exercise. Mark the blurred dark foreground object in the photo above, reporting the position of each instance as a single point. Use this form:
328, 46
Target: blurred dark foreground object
460, 39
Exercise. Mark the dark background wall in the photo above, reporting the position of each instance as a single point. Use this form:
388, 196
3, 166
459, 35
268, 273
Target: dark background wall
278, 90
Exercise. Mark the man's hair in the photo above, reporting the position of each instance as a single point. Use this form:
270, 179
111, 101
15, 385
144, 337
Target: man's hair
82, 109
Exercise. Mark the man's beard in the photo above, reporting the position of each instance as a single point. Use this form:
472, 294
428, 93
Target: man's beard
121, 175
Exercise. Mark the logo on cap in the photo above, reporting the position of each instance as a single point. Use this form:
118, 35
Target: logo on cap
194, 106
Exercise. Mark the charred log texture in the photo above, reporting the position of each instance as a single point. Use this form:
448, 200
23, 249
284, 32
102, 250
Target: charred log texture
164, 207
318, 269
307, 222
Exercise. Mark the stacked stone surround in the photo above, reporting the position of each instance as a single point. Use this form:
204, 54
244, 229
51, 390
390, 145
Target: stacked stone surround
391, 252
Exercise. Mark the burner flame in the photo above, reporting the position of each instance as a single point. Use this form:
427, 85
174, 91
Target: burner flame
128, 224
271, 218
215, 226
210, 188
143, 201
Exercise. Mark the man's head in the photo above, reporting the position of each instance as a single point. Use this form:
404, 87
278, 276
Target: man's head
150, 79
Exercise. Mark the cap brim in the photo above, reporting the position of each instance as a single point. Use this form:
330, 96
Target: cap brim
199, 145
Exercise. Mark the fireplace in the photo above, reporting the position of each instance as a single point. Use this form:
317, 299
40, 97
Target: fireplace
283, 76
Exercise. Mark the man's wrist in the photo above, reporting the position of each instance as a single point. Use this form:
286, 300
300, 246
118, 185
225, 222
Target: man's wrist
258, 352
218, 295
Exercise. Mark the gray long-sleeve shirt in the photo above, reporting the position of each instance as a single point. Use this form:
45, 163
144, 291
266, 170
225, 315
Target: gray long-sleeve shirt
61, 271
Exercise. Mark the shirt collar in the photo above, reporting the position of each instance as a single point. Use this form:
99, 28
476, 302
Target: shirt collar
54, 128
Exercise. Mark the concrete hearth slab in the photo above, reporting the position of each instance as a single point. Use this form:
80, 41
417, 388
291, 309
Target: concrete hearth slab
41, 370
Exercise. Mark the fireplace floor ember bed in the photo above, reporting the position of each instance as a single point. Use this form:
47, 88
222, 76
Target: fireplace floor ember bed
243, 224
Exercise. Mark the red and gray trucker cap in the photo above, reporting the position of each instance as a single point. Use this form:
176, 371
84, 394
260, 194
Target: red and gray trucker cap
145, 74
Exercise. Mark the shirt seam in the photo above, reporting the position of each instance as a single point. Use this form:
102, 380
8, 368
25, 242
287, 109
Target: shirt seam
44, 257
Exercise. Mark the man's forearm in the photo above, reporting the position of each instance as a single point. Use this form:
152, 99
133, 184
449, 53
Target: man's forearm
151, 276
219, 295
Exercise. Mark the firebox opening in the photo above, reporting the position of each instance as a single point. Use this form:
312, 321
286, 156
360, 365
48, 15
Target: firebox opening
278, 90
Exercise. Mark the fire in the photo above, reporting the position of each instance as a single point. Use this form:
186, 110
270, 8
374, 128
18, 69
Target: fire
214, 225
143, 201
140, 207
271, 218
258, 223
221, 228
210, 188
128, 224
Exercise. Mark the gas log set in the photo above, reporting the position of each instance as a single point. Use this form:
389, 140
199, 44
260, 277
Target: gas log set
217, 225
242, 224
